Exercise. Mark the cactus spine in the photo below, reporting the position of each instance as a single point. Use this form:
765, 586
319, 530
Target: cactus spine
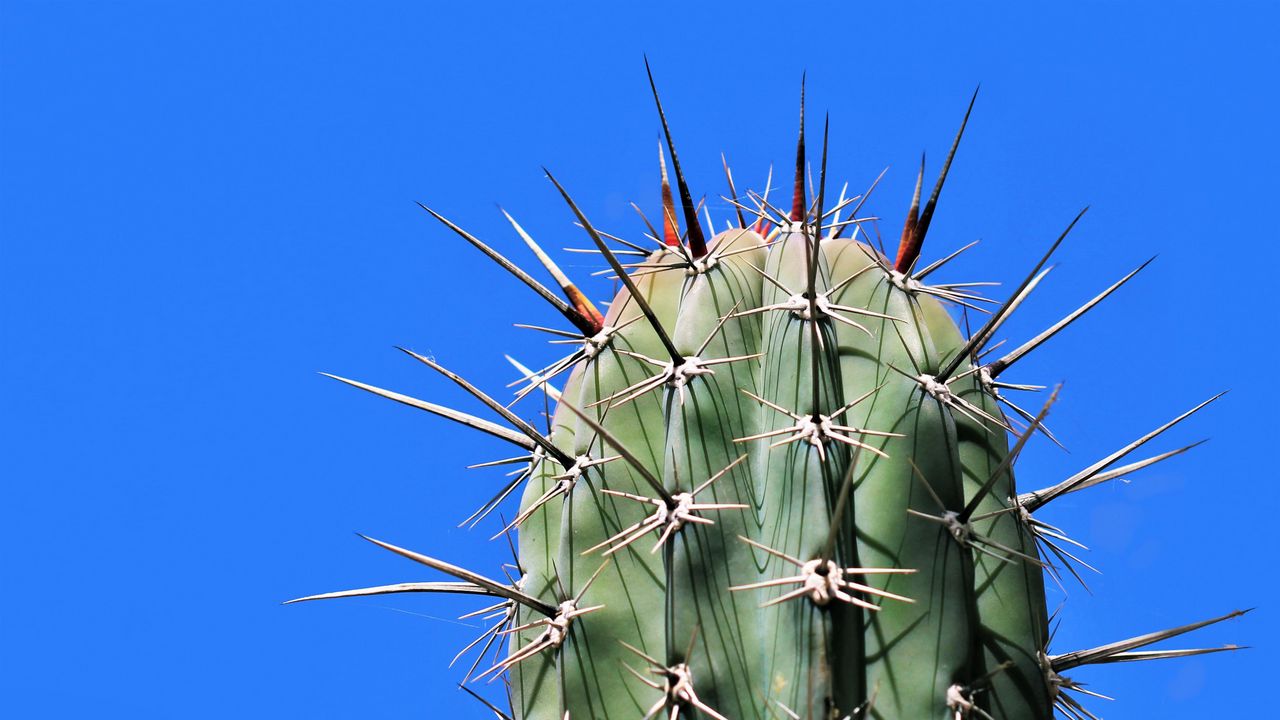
777, 483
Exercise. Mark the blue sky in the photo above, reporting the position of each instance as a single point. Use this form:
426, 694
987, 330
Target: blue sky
204, 204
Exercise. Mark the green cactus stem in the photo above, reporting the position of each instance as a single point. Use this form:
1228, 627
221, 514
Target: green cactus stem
778, 481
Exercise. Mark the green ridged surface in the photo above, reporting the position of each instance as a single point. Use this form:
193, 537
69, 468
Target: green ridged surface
596, 683
701, 430
750, 661
799, 489
1010, 595
914, 651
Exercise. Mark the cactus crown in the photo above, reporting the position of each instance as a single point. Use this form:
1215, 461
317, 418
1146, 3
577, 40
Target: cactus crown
777, 482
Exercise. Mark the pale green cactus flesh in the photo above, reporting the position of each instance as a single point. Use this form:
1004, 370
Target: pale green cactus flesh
777, 483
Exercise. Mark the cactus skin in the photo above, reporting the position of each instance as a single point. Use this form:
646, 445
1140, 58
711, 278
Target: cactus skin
789, 493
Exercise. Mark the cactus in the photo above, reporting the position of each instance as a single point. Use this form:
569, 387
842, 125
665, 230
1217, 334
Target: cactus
777, 482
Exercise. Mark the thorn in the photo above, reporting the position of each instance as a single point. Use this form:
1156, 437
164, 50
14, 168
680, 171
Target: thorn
1009, 458
621, 272
816, 241
580, 321
762, 224
493, 586
677, 688
670, 226
1133, 467
555, 632
492, 708
984, 333
461, 418
559, 455
926, 215
666, 517
823, 581
854, 214
842, 501
907, 253
733, 192
460, 588
1116, 651
999, 366
1033, 501
797, 194
534, 378
580, 302
697, 243
626, 454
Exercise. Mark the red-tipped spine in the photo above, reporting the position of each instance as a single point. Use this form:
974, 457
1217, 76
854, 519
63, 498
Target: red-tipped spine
589, 320
797, 195
909, 246
921, 225
670, 227
586, 308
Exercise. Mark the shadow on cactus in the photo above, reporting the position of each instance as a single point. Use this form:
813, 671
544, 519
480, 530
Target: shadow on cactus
777, 482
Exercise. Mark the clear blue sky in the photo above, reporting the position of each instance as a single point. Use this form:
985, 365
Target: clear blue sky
203, 204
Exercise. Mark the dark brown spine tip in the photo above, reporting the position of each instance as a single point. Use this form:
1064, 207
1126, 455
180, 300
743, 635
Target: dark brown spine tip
909, 246
697, 243
797, 195
926, 215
